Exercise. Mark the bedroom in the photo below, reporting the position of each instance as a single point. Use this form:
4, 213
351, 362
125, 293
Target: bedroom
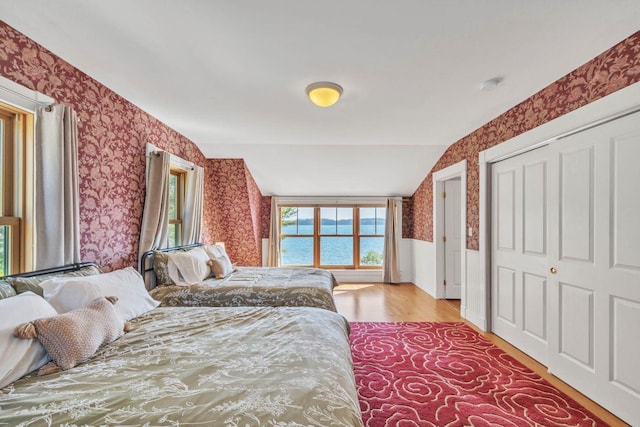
114, 131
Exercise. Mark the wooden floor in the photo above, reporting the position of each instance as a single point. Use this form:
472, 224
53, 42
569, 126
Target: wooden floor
374, 302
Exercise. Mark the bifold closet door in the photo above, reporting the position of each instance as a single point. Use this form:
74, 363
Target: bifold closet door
519, 253
594, 264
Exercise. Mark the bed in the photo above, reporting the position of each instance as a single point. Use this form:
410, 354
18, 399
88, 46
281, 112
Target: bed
223, 366
245, 286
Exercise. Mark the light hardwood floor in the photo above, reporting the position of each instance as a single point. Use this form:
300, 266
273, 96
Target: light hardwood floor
374, 302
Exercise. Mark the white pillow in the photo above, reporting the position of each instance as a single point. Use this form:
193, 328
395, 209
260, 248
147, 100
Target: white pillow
69, 293
186, 268
18, 357
217, 251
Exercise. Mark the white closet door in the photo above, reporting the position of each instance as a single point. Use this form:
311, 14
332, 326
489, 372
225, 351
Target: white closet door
595, 252
453, 243
519, 258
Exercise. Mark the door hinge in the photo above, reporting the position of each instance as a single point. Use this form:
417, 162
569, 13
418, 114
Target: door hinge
444, 282
444, 194
444, 238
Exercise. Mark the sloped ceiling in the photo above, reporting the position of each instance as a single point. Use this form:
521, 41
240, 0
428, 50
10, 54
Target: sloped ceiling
231, 75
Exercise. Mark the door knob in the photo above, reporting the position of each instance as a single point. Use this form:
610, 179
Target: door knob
553, 270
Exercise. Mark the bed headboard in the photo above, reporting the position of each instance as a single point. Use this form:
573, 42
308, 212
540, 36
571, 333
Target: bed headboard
53, 270
146, 263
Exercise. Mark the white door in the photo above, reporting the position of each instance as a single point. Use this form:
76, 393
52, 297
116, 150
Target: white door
595, 253
519, 252
453, 242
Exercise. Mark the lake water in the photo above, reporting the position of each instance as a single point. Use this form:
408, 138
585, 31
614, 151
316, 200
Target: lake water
334, 250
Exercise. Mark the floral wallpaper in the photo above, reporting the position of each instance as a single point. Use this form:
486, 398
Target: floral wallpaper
233, 205
112, 134
614, 69
265, 222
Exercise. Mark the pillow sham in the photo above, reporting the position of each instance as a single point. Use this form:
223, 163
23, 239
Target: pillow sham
75, 336
186, 268
6, 290
220, 267
19, 357
161, 269
32, 284
66, 294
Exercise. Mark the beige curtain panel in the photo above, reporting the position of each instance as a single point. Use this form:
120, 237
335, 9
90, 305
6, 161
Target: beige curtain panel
391, 269
192, 210
57, 211
155, 217
273, 255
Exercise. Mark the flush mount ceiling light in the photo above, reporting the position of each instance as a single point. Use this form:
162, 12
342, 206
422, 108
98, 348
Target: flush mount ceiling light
324, 94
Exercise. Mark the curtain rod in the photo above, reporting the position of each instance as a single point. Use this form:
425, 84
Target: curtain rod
27, 98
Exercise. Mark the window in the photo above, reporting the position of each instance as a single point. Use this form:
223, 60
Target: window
176, 200
13, 135
345, 236
371, 236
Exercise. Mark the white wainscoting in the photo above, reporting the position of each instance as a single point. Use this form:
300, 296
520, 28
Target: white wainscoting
424, 266
475, 305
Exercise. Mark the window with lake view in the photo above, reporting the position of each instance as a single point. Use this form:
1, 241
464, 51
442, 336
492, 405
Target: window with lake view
344, 236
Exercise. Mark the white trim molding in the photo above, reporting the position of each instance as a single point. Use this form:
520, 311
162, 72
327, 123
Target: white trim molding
21, 97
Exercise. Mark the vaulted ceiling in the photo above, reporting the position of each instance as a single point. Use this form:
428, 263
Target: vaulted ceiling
231, 75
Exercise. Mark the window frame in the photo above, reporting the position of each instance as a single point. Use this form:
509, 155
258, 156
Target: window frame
16, 207
180, 175
317, 235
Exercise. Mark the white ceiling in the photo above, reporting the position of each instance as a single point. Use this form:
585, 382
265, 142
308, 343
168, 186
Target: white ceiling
231, 75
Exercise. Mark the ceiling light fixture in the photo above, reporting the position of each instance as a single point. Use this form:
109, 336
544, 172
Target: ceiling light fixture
324, 94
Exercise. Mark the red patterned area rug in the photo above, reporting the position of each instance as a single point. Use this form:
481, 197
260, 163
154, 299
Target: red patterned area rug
446, 374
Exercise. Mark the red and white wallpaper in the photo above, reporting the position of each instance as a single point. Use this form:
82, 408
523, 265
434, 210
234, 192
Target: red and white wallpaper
112, 134
233, 205
614, 69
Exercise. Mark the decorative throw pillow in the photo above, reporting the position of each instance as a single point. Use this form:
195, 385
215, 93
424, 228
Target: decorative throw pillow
32, 284
75, 336
160, 261
66, 294
19, 357
6, 290
220, 267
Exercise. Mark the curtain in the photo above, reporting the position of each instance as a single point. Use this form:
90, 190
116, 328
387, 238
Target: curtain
391, 269
273, 256
155, 217
57, 211
192, 210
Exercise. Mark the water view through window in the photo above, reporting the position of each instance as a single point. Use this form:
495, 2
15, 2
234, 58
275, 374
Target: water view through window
4, 254
341, 233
